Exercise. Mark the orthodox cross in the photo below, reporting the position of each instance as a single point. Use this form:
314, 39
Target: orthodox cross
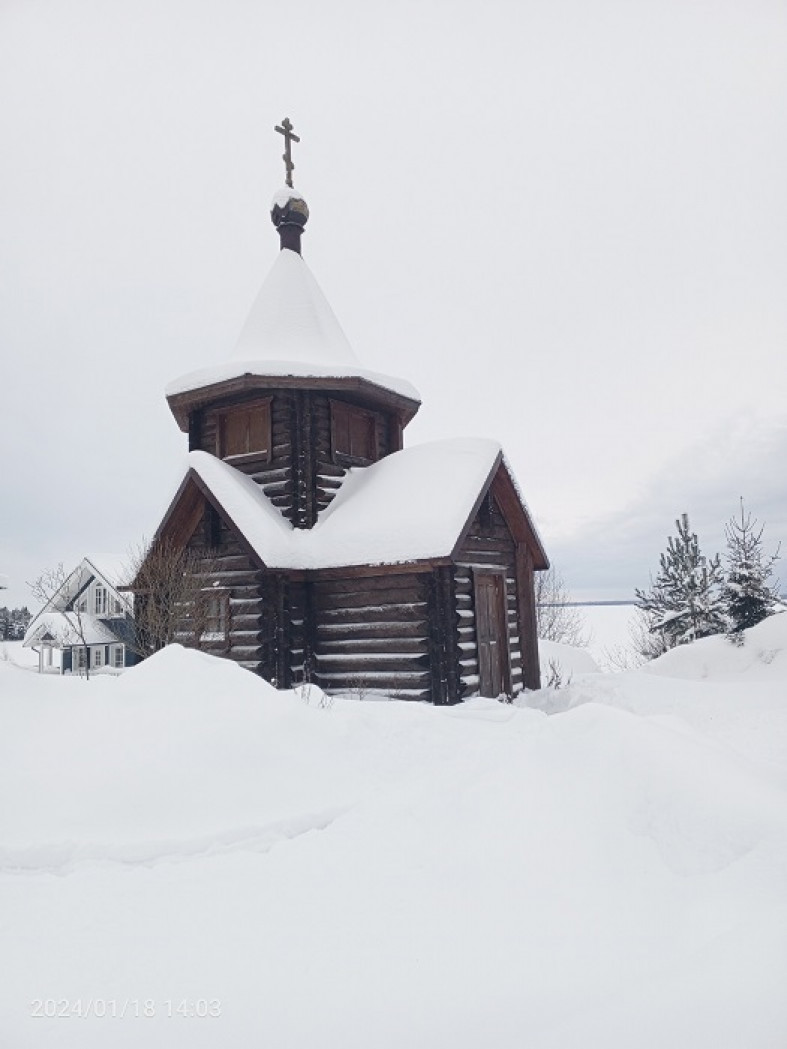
289, 137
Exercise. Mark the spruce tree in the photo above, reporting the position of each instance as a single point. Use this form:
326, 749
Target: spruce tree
748, 596
684, 602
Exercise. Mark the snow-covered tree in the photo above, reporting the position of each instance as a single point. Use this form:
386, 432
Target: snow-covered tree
748, 596
684, 602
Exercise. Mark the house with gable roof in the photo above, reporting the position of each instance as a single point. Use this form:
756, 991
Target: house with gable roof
89, 621
337, 555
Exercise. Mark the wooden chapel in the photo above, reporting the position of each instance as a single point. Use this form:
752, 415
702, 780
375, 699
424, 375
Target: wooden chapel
335, 554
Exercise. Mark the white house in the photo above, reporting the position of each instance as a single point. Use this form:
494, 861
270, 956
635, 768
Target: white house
88, 621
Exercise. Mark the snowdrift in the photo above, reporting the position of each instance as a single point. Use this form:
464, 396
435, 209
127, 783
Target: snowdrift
393, 874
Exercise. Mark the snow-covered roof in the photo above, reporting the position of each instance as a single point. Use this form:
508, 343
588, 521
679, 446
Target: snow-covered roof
290, 331
65, 629
410, 506
112, 568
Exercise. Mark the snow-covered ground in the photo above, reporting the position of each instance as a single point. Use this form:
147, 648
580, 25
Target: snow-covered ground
605, 868
608, 628
13, 652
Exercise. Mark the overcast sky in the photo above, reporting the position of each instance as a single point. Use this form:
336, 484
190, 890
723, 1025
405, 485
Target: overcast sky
564, 222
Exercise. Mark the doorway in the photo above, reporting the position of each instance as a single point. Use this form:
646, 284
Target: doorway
491, 627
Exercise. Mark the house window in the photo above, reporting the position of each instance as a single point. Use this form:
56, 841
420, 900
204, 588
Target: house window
353, 433
216, 616
98, 657
245, 432
116, 607
101, 600
81, 658
117, 657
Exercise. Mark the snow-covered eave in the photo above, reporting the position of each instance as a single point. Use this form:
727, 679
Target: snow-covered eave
363, 530
312, 570
541, 560
208, 384
69, 631
514, 509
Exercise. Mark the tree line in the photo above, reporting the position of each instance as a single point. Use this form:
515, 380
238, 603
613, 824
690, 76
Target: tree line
13, 623
694, 596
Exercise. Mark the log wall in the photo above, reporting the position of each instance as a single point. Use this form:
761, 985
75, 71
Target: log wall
250, 638
372, 635
302, 475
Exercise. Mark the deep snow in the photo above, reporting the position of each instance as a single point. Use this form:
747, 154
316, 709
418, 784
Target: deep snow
612, 873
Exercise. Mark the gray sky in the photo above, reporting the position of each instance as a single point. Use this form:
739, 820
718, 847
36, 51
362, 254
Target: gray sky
564, 222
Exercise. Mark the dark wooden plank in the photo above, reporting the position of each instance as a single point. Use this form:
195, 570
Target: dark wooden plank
413, 645
528, 634
369, 627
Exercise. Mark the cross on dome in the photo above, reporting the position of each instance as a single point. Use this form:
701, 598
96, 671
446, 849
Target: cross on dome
289, 138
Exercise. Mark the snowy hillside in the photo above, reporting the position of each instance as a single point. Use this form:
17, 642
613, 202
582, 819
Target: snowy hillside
184, 840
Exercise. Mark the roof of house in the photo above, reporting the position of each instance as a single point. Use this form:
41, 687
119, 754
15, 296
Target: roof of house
291, 331
66, 629
410, 506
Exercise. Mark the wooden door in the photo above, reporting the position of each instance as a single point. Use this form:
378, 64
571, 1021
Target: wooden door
491, 626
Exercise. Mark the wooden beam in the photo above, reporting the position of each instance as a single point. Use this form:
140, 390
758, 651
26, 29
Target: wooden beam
528, 632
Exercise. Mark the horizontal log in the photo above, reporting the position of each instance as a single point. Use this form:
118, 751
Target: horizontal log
379, 678
278, 488
393, 614
484, 560
415, 695
366, 663
404, 645
243, 577
246, 624
246, 637
366, 584
391, 599
327, 632
232, 563
327, 468
280, 473
487, 542
282, 448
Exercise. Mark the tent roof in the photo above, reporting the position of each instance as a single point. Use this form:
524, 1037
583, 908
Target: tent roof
291, 332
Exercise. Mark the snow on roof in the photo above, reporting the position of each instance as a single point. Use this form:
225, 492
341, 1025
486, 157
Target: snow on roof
65, 629
112, 567
410, 506
290, 331
283, 195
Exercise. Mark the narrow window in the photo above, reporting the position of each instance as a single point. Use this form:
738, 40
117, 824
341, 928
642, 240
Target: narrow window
98, 657
117, 657
81, 658
245, 432
216, 620
101, 600
353, 433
